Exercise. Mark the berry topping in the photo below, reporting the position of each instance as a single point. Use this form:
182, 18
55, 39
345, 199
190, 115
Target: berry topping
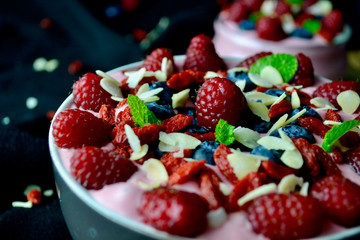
247, 62
339, 198
177, 212
74, 128
253, 5
282, 216
94, 167
333, 22
305, 73
153, 61
237, 12
270, 29
201, 55
352, 157
219, 98
88, 94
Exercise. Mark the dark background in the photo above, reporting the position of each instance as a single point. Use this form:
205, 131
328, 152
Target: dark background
100, 35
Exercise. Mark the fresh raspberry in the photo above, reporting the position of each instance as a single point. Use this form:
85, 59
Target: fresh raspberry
304, 75
88, 93
253, 5
237, 12
189, 218
333, 22
282, 8
331, 90
269, 28
339, 198
223, 164
74, 128
201, 55
247, 62
219, 98
94, 167
352, 157
285, 216
153, 61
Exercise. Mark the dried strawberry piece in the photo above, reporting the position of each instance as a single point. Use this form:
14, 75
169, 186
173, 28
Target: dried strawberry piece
276, 171
107, 113
172, 163
326, 162
185, 172
210, 188
182, 80
149, 133
279, 109
331, 115
125, 117
177, 122
314, 125
210, 136
124, 149
119, 135
221, 161
309, 155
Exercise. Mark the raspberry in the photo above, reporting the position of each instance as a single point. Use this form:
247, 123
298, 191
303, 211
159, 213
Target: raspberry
285, 216
201, 55
153, 61
247, 62
331, 90
333, 22
219, 98
305, 73
352, 157
189, 219
269, 28
94, 167
282, 8
253, 5
88, 93
339, 198
237, 12
74, 128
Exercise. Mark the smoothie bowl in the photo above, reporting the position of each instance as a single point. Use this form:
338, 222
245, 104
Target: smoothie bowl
146, 163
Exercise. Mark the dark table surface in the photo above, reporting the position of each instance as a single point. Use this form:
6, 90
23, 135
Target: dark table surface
100, 36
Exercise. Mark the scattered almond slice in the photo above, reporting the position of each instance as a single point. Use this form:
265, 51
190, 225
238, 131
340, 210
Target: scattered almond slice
210, 74
291, 88
170, 142
118, 99
133, 139
247, 137
288, 23
110, 84
155, 171
260, 110
349, 101
27, 204
135, 77
296, 116
320, 8
179, 99
304, 191
224, 189
279, 99
143, 88
285, 137
257, 192
272, 75
322, 103
150, 95
167, 139
275, 143
137, 155
292, 159
268, 7
259, 81
295, 100
217, 217
30, 188
167, 67
278, 124
263, 97
289, 183
241, 84
238, 69
244, 163
160, 76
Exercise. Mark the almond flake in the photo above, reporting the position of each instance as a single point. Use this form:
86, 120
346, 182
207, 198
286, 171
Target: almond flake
288, 23
137, 155
259, 96
333, 123
27, 204
349, 101
292, 159
118, 99
160, 76
241, 84
320, 8
268, 7
210, 74
166, 67
289, 183
275, 143
142, 89
280, 98
257, 192
51, 65
295, 100
260, 110
217, 217
39, 64
133, 139
179, 99
179, 153
170, 142
150, 95
296, 116
156, 172
322, 103
243, 163
291, 88
112, 87
258, 81
135, 77
238, 69
247, 137
224, 189
48, 193
30, 188
304, 191
278, 124
272, 75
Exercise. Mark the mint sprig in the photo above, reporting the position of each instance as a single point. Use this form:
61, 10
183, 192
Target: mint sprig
224, 132
336, 132
286, 64
141, 114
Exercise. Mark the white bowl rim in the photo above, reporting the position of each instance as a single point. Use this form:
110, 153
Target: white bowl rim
131, 224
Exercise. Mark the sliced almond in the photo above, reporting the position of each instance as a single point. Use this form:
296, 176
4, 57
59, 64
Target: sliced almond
143, 88
349, 101
241, 84
217, 217
288, 183
275, 143
288, 23
135, 77
257, 192
210, 74
179, 99
156, 172
224, 189
137, 155
280, 98
272, 75
304, 191
320, 8
133, 139
292, 159
160, 76
296, 116
266, 99
295, 100
322, 103
259, 81
247, 137
111, 87
150, 95
170, 142
260, 110
268, 7
278, 124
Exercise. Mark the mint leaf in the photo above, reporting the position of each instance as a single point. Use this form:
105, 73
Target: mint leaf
141, 114
224, 132
296, 2
286, 64
312, 25
336, 132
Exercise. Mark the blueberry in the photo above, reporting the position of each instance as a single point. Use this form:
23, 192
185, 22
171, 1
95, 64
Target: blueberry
262, 126
165, 95
295, 131
240, 76
196, 129
309, 112
272, 155
206, 151
161, 111
301, 33
247, 25
277, 93
189, 112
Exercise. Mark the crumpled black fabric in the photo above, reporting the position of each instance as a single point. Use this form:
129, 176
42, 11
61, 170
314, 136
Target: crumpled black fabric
80, 31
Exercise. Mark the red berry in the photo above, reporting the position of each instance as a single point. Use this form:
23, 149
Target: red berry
180, 81
186, 172
177, 122
34, 196
223, 164
333, 22
153, 61
88, 94
237, 12
352, 157
331, 90
253, 5
282, 7
219, 98
279, 109
285, 216
247, 62
339, 198
94, 167
304, 75
270, 29
201, 55
176, 212
209, 183
75, 67
74, 128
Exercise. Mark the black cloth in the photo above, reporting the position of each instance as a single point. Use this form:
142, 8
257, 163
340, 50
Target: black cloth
79, 30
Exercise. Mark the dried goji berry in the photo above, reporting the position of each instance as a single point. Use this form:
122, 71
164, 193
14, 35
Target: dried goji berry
220, 158
279, 109
209, 188
210, 136
309, 155
149, 133
177, 122
186, 171
276, 171
326, 162
180, 81
172, 163
331, 115
314, 125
